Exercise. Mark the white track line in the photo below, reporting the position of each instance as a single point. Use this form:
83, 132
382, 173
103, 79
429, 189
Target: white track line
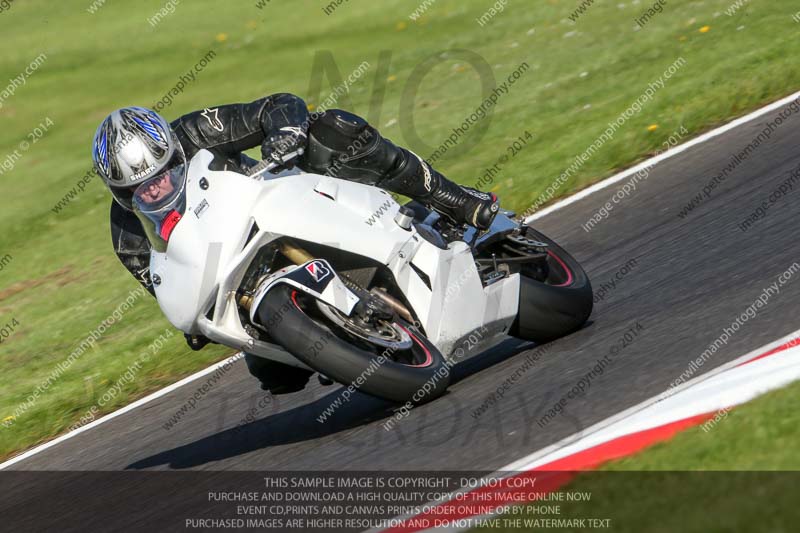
115, 414
661, 157
539, 214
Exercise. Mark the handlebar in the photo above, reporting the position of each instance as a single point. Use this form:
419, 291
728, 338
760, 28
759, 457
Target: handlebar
268, 165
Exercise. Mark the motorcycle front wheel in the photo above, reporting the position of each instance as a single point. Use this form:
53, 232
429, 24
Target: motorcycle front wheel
392, 360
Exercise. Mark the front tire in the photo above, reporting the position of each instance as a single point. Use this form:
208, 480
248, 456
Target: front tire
557, 305
418, 374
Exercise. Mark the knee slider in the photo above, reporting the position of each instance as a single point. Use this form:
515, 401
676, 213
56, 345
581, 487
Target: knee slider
330, 137
337, 129
346, 144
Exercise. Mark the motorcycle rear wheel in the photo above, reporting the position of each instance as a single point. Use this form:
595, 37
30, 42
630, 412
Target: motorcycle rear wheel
557, 305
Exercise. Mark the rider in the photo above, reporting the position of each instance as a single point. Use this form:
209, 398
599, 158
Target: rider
142, 159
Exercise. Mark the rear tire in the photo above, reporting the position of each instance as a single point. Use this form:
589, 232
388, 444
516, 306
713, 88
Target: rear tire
418, 374
557, 306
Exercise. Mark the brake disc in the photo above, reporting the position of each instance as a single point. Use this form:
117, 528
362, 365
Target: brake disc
526, 242
383, 333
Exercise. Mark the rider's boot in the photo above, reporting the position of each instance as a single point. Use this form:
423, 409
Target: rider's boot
275, 377
344, 145
416, 179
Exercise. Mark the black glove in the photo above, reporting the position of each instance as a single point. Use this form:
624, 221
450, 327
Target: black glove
286, 141
196, 342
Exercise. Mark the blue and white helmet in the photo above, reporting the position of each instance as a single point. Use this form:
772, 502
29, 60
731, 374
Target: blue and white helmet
131, 146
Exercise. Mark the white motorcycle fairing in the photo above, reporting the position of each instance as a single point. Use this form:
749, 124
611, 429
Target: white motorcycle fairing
317, 278
229, 217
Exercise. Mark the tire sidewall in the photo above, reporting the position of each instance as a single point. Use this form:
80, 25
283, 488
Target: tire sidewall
349, 365
547, 312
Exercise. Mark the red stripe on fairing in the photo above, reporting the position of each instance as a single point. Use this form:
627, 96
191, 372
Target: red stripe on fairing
169, 223
548, 477
428, 356
294, 299
565, 267
782, 348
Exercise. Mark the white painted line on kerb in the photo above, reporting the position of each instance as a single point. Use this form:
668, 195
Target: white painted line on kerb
539, 214
115, 414
532, 460
608, 182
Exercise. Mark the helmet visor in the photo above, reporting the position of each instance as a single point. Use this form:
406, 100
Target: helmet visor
159, 194
161, 190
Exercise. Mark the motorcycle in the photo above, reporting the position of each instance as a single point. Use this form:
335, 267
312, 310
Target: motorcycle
339, 278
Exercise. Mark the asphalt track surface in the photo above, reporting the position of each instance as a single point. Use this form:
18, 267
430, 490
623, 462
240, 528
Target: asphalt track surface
692, 278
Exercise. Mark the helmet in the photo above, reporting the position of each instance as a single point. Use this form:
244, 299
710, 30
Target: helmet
134, 147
